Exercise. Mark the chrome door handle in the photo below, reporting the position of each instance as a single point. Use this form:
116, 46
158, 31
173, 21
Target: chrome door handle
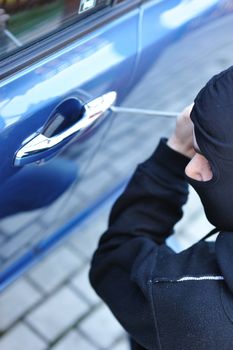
34, 148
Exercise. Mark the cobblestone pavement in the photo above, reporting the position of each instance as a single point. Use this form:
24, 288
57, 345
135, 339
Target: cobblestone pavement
52, 307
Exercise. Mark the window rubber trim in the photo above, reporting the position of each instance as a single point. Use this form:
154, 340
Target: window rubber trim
59, 39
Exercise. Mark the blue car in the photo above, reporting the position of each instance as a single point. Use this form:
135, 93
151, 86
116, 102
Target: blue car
63, 64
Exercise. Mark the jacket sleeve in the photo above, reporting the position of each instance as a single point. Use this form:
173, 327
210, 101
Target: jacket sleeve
140, 221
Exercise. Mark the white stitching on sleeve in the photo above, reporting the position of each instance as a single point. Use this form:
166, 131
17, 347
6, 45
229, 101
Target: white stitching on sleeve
201, 278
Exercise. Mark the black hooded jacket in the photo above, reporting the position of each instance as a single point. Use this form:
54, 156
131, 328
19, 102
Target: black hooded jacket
163, 299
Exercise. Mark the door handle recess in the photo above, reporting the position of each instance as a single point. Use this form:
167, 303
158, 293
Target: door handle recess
39, 146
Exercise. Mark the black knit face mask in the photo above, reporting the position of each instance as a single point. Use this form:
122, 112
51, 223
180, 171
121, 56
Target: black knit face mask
217, 195
212, 116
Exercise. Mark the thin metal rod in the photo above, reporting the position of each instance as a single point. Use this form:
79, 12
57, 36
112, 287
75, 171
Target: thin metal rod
12, 38
155, 113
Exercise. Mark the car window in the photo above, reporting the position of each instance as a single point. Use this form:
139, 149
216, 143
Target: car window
25, 21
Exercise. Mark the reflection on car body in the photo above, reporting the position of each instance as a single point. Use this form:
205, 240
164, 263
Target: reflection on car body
86, 5
135, 48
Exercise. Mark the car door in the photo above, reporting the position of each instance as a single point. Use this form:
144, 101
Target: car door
56, 58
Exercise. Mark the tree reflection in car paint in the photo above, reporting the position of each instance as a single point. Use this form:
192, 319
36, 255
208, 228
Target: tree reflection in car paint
22, 22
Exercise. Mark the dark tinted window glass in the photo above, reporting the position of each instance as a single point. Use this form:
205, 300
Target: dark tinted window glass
24, 21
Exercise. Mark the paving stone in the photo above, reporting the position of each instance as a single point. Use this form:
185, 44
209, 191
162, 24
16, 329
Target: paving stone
86, 237
73, 341
126, 162
14, 223
14, 258
82, 285
101, 160
122, 125
55, 268
95, 186
15, 243
15, 302
55, 215
57, 313
122, 345
21, 337
101, 327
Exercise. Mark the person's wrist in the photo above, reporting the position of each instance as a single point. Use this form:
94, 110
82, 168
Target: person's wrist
178, 146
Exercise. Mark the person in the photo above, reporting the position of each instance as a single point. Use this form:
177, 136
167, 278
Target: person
163, 299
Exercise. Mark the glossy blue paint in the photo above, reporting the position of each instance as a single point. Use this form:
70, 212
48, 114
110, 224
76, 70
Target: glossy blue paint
44, 247
38, 186
102, 61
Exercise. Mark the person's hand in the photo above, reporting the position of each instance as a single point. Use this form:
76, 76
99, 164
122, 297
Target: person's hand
182, 138
3, 19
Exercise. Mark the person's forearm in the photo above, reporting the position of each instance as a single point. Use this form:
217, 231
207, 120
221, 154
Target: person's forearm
140, 221
151, 204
